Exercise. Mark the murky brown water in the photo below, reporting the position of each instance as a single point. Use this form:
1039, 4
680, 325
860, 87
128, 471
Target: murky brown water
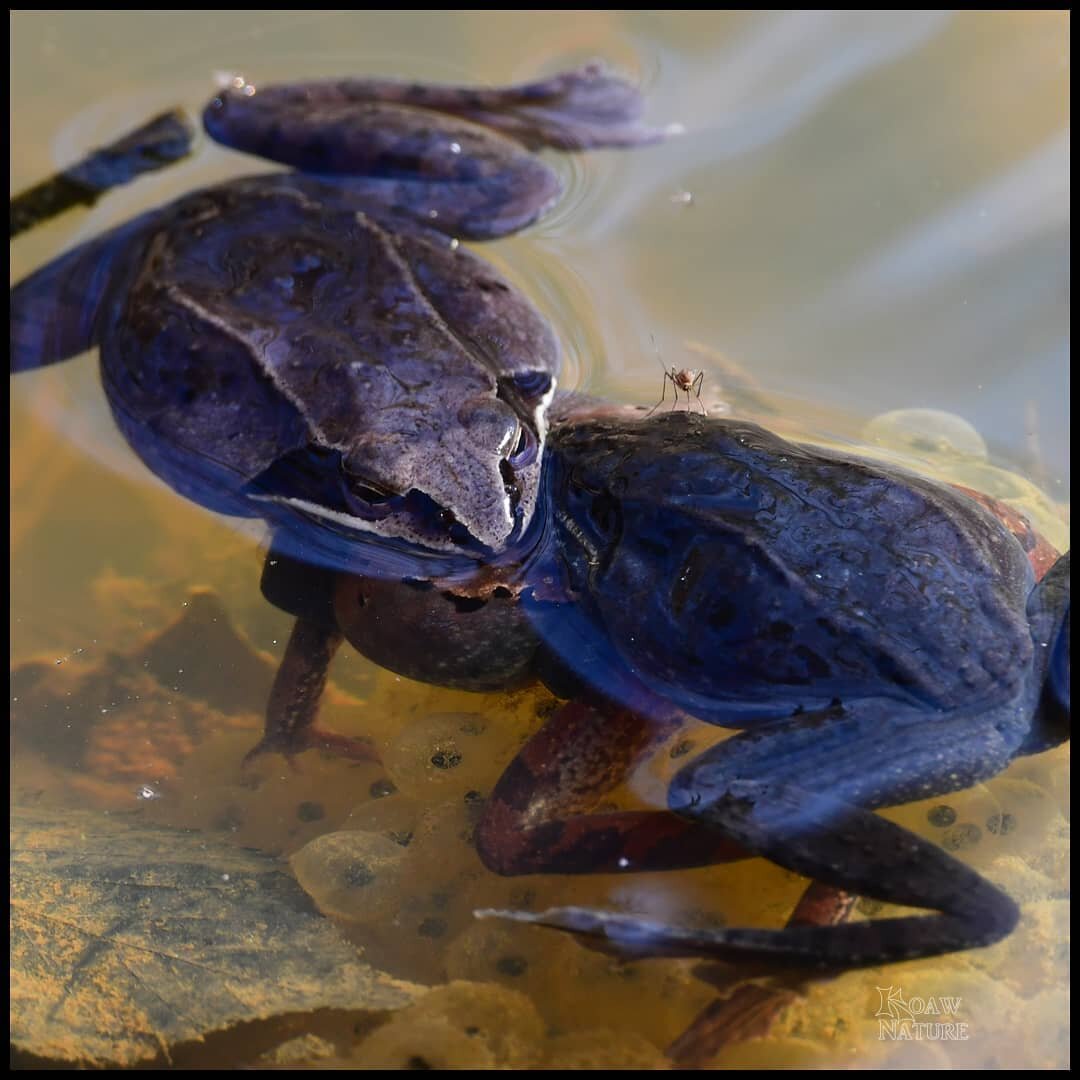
868, 213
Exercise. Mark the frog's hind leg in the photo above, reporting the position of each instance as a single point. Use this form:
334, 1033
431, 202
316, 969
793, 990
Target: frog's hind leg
60, 310
800, 793
539, 817
450, 158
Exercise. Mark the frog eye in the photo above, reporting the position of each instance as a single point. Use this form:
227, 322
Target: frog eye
532, 385
364, 496
370, 493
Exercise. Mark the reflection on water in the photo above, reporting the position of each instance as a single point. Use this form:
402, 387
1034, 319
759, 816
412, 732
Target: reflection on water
879, 221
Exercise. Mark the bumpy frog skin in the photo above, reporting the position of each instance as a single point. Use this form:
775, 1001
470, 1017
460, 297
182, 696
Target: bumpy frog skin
317, 352
877, 638
317, 349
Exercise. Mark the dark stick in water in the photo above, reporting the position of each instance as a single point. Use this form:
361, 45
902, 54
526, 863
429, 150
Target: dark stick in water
160, 142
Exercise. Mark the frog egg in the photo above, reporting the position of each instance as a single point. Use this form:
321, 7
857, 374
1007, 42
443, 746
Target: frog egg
352, 875
576, 987
394, 816
526, 958
925, 431
655, 998
467, 1020
422, 1043
445, 754
1034, 957
441, 848
443, 881
603, 1049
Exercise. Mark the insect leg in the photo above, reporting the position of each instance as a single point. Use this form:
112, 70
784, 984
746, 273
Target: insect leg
697, 388
663, 394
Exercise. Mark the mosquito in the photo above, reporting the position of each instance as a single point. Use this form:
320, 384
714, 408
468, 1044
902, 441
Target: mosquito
683, 380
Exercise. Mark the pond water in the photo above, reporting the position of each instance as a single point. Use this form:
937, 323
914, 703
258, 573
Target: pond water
865, 213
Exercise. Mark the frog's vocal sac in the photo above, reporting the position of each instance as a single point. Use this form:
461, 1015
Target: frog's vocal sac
316, 347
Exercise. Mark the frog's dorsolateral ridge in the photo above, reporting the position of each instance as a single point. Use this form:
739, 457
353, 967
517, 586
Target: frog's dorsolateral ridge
317, 348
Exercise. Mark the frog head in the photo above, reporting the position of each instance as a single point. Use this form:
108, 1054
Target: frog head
456, 474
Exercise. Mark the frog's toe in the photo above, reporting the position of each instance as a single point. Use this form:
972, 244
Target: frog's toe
353, 748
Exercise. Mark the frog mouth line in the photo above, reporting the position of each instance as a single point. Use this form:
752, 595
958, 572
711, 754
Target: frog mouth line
400, 524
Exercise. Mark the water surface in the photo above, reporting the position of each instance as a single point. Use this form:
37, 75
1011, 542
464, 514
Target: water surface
866, 213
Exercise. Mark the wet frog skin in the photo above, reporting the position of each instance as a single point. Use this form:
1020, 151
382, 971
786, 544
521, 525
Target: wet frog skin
875, 638
316, 348
671, 567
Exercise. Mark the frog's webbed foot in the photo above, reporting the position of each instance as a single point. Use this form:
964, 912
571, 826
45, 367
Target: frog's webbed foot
590, 106
159, 142
295, 696
753, 790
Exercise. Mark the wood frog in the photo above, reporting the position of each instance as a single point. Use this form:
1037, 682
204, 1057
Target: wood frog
316, 348
313, 349
874, 637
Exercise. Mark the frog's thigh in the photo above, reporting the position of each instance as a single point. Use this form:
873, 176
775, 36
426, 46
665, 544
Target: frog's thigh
537, 818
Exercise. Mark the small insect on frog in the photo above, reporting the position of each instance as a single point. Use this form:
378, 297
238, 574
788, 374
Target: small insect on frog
874, 638
683, 380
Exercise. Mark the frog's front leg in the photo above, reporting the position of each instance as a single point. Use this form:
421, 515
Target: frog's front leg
296, 693
538, 820
300, 682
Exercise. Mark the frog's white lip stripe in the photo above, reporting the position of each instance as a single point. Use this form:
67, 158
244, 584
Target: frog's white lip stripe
376, 528
348, 520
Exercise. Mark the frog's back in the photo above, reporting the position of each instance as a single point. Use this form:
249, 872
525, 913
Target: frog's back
789, 577
259, 341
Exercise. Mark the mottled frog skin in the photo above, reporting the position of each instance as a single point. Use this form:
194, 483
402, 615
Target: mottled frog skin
875, 637
316, 348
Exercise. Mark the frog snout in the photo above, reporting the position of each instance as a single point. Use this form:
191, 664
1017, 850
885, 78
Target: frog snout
491, 425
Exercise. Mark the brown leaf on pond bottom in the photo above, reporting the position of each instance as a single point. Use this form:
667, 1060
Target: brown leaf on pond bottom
127, 940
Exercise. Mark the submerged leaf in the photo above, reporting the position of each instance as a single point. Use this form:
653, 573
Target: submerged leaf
127, 940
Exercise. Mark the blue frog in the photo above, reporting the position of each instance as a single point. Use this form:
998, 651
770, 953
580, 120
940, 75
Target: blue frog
314, 347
